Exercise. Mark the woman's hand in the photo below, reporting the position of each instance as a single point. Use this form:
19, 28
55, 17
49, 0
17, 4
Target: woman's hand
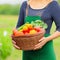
41, 43
14, 43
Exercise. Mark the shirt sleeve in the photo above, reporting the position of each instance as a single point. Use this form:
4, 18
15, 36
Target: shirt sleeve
21, 16
56, 15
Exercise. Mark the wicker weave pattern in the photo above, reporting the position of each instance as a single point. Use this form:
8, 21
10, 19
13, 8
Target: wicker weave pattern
28, 42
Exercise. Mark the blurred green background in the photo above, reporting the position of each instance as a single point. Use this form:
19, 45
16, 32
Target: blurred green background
8, 19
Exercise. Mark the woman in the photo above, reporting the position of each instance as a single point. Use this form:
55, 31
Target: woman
49, 11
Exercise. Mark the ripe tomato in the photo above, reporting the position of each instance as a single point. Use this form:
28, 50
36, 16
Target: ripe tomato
25, 31
38, 29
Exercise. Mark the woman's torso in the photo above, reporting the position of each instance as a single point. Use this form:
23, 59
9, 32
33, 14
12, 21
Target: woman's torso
44, 13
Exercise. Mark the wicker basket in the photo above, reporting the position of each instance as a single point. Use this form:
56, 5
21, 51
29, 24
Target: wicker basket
27, 42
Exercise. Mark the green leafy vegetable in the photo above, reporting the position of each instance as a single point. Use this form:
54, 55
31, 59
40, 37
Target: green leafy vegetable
39, 23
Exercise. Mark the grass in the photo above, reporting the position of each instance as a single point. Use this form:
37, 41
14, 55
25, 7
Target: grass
7, 23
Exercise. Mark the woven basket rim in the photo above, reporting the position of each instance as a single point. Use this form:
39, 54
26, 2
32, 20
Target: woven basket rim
31, 35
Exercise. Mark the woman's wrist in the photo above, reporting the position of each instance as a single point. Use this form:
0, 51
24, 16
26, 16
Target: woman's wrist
53, 36
48, 39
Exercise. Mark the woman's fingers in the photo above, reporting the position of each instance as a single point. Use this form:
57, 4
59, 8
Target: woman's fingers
16, 46
13, 42
38, 46
41, 39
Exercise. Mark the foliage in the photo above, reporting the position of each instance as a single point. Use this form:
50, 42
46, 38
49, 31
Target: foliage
9, 9
5, 48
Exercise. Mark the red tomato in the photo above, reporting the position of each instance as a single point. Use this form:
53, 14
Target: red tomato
25, 31
38, 29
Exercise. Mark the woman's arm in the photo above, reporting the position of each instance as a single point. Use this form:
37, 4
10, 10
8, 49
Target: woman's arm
53, 36
55, 13
44, 40
21, 15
